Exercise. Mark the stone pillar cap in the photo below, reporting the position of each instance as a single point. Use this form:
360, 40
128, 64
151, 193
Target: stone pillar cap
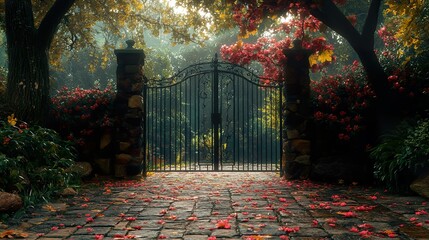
129, 49
130, 55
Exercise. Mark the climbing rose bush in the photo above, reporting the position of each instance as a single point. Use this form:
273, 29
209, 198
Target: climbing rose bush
78, 114
341, 102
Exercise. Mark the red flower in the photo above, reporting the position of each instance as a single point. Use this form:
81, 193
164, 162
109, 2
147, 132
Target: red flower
6, 140
318, 115
344, 137
421, 212
392, 78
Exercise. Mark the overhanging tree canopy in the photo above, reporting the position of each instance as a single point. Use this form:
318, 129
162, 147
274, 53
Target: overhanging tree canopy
38, 29
250, 14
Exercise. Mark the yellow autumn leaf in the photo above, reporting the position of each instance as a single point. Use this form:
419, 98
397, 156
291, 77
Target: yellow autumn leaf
12, 234
49, 207
238, 44
408, 21
249, 33
313, 59
274, 17
222, 16
12, 119
325, 56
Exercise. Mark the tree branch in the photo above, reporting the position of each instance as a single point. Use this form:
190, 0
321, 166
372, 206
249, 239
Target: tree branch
334, 18
328, 13
371, 21
52, 19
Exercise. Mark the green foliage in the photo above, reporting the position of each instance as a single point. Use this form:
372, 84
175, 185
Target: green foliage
34, 161
271, 112
3, 78
401, 155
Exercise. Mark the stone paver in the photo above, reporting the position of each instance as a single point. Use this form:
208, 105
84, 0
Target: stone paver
227, 206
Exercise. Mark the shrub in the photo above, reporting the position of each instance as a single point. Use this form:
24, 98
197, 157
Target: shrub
3, 79
401, 155
79, 114
341, 103
34, 161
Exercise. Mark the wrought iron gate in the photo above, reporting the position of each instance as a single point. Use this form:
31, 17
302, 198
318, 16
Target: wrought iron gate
213, 116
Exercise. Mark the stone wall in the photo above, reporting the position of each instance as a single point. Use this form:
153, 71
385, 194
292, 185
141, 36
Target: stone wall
103, 159
128, 110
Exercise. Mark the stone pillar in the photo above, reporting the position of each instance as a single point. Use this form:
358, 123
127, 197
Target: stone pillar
128, 109
296, 113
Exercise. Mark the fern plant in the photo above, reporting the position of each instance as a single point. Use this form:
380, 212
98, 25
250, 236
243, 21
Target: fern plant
402, 155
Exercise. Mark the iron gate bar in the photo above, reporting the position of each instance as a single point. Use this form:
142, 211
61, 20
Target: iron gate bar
215, 115
178, 145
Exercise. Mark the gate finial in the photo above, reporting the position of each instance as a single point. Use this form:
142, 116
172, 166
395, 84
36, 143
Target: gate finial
130, 43
215, 58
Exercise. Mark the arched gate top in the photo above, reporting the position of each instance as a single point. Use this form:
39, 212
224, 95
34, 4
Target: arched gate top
213, 67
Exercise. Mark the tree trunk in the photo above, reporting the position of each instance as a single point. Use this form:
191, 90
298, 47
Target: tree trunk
386, 105
28, 82
28, 77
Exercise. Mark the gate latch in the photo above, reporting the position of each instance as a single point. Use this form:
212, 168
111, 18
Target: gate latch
216, 118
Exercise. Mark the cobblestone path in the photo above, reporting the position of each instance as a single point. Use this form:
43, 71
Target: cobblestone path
204, 206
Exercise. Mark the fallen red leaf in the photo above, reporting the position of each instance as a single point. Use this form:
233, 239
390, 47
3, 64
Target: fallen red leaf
364, 208
12, 234
365, 226
348, 214
315, 223
99, 236
289, 229
223, 224
365, 233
